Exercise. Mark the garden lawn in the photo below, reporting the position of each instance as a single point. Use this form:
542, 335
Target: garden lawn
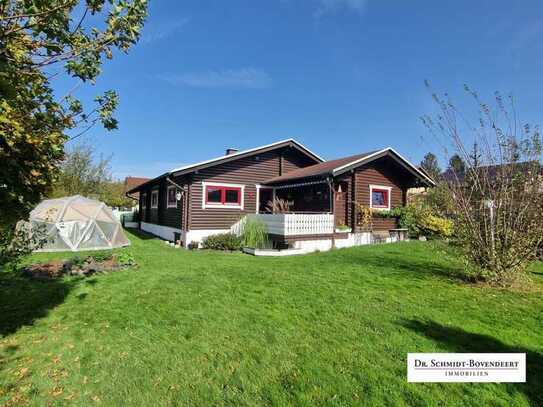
210, 328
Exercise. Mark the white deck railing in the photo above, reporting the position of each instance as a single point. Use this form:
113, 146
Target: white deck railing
295, 224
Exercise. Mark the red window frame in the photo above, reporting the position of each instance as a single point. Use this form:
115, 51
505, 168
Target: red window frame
223, 190
386, 193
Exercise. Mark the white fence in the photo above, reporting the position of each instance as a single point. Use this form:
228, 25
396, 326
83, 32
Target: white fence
295, 224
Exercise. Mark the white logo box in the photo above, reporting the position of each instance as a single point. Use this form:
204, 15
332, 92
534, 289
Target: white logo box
466, 367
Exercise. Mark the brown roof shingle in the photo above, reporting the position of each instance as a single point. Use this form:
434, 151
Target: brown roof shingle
317, 170
133, 182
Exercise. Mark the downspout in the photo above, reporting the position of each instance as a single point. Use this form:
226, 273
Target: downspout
332, 209
127, 194
174, 184
185, 202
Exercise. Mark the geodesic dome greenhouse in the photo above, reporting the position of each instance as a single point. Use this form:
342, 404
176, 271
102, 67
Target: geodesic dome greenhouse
77, 223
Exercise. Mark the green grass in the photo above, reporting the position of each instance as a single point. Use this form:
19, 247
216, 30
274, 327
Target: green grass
208, 328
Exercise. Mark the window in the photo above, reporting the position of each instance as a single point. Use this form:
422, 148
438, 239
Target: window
143, 201
154, 199
222, 196
379, 197
171, 198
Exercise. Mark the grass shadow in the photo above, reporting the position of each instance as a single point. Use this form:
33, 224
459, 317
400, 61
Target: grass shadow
23, 301
459, 340
140, 234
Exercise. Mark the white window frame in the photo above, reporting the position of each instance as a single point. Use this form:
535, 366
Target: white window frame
168, 204
154, 192
144, 200
389, 195
220, 205
258, 188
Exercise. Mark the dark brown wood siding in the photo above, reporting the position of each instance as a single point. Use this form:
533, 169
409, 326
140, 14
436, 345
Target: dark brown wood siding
172, 217
292, 160
383, 172
164, 216
147, 214
247, 171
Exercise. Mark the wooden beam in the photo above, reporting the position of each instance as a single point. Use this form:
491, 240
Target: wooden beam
353, 200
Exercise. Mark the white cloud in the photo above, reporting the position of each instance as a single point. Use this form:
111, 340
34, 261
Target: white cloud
230, 78
157, 32
333, 6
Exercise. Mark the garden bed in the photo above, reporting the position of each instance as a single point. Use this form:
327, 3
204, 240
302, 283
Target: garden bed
79, 266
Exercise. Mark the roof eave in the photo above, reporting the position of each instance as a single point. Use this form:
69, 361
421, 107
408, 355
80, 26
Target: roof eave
296, 179
381, 153
136, 189
241, 154
220, 160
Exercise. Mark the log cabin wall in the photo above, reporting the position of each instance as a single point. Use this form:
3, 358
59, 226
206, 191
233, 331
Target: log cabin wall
246, 172
383, 172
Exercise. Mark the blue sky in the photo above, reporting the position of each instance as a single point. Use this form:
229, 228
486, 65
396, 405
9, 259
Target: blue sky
340, 76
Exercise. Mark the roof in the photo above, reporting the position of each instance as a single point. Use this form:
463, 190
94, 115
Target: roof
325, 168
239, 154
231, 157
492, 171
342, 165
133, 182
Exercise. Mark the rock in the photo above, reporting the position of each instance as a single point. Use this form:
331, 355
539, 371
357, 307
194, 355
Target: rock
91, 266
422, 238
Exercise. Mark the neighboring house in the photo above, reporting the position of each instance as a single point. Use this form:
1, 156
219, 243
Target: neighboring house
415, 192
131, 183
493, 172
210, 197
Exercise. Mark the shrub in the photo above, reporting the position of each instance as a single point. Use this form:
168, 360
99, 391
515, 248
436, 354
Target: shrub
278, 205
223, 241
497, 201
436, 226
101, 255
19, 241
408, 219
364, 216
420, 219
193, 245
125, 259
254, 233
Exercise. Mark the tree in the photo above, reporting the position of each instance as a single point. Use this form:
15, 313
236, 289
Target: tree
40, 42
497, 208
81, 173
457, 166
431, 166
113, 194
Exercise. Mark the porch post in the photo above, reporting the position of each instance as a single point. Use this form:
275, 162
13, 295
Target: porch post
257, 205
332, 209
332, 200
353, 201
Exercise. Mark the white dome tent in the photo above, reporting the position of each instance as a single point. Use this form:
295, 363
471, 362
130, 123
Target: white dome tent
77, 223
